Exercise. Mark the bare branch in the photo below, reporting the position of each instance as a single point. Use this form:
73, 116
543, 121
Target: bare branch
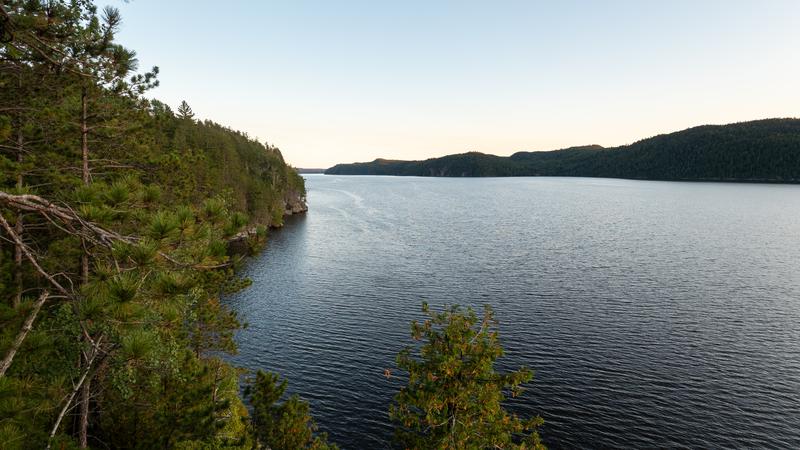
26, 327
88, 230
26, 251
75, 390
65, 214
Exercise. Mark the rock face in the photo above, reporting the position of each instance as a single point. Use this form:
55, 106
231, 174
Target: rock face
295, 203
239, 244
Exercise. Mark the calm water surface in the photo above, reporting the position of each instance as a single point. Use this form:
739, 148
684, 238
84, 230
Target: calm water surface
655, 314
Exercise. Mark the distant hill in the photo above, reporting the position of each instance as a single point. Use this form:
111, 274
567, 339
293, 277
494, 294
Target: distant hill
762, 150
299, 170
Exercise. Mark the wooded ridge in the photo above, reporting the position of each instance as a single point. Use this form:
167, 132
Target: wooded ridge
759, 151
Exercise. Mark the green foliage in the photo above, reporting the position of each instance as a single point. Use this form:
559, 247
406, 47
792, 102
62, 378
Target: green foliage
143, 253
172, 283
282, 426
117, 194
211, 327
163, 226
168, 398
123, 287
202, 162
454, 396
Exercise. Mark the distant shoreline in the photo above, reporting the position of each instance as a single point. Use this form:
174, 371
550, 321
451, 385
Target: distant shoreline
762, 151
671, 180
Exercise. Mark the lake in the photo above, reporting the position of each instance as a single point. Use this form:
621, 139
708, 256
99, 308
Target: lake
654, 314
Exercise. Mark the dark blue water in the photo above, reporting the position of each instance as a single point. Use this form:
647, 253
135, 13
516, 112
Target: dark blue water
655, 314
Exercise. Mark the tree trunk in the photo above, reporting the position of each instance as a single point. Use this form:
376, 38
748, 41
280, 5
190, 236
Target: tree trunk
26, 327
84, 264
17, 299
83, 425
84, 137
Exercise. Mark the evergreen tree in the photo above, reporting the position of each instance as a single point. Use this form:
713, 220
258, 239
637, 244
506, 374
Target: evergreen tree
185, 111
454, 396
282, 426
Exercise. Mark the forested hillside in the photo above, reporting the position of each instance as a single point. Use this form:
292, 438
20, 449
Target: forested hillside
764, 150
115, 217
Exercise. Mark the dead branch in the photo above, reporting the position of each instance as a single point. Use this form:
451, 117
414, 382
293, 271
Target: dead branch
29, 256
26, 251
87, 230
26, 327
65, 214
89, 362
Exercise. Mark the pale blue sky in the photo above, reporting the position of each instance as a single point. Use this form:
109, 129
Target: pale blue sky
330, 81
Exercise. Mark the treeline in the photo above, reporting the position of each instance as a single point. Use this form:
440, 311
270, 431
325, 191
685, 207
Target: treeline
198, 160
759, 151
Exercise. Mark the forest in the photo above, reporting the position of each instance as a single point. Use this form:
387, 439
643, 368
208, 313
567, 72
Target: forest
115, 213
116, 218
756, 151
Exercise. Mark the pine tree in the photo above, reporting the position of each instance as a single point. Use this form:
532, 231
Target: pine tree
453, 399
185, 111
282, 426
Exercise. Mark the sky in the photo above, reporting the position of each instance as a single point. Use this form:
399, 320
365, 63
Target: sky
344, 81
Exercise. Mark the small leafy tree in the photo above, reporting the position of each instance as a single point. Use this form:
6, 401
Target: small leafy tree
282, 426
454, 396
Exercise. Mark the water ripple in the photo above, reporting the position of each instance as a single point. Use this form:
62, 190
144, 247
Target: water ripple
655, 315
